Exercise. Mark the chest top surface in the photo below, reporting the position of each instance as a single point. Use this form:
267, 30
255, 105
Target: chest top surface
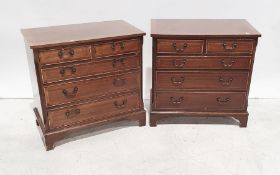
202, 27
73, 33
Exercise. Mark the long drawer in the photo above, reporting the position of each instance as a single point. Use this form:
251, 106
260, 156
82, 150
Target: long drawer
71, 71
94, 111
206, 80
65, 54
79, 90
116, 48
197, 62
180, 46
200, 101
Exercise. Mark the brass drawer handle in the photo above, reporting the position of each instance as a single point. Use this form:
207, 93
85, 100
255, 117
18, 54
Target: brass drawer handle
232, 47
226, 82
113, 46
119, 82
179, 63
116, 61
71, 52
63, 69
223, 101
176, 101
72, 94
227, 65
122, 45
61, 52
177, 81
72, 113
120, 105
174, 44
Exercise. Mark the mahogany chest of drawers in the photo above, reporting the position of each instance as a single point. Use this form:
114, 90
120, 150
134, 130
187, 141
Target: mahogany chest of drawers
202, 68
84, 75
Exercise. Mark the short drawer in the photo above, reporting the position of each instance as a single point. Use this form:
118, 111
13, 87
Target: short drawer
219, 80
180, 46
201, 101
66, 54
85, 89
230, 46
93, 111
71, 71
196, 62
116, 48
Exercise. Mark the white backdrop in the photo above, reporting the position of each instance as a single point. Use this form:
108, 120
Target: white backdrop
264, 15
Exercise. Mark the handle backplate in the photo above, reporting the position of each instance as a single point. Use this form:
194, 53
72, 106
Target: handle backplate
177, 49
121, 104
70, 94
179, 63
223, 100
72, 113
230, 47
225, 82
177, 81
176, 100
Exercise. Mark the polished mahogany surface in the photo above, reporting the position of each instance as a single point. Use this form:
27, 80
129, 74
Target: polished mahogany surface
202, 27
79, 33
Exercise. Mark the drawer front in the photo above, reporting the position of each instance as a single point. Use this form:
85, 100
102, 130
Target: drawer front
200, 101
116, 48
180, 46
179, 63
71, 71
202, 80
67, 54
81, 90
93, 111
230, 46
